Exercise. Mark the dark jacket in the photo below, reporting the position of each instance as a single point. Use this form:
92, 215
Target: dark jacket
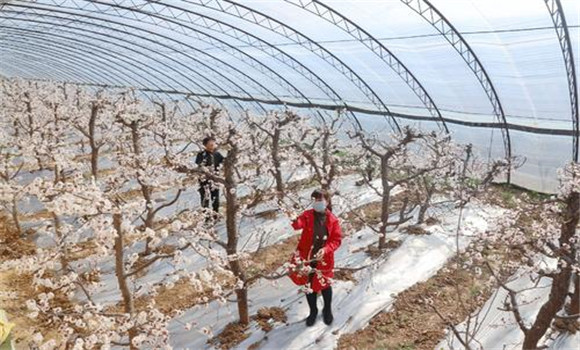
209, 160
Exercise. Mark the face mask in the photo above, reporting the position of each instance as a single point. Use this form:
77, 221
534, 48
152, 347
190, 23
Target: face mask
319, 206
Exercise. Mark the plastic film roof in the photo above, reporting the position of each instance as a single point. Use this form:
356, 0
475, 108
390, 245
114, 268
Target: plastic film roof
499, 73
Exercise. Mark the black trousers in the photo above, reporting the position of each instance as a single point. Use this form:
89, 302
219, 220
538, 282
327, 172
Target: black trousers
209, 194
326, 296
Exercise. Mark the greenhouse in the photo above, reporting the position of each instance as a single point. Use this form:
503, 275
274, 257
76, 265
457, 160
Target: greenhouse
289, 174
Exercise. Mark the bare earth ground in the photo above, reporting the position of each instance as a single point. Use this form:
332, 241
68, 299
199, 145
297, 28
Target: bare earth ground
15, 288
411, 323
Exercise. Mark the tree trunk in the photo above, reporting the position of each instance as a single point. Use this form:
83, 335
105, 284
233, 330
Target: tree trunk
276, 162
429, 190
561, 281
422, 211
327, 169
128, 303
15, 217
57, 173
243, 309
232, 207
30, 130
149, 217
135, 137
146, 190
92, 141
386, 198
575, 304
58, 231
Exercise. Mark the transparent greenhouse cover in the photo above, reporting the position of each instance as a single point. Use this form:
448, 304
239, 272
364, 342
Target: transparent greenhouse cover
497, 73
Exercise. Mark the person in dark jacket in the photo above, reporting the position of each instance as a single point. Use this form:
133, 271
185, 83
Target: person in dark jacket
321, 236
211, 159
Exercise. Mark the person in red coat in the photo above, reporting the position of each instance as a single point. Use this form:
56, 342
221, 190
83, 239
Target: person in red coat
313, 261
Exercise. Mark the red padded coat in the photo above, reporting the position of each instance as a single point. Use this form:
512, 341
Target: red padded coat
325, 267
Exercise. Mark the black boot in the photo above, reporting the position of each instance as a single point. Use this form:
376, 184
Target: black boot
311, 298
327, 311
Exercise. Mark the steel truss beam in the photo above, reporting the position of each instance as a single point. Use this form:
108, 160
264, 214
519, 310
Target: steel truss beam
171, 23
65, 73
31, 65
330, 15
108, 32
159, 21
176, 24
181, 20
253, 16
432, 15
77, 53
559, 19
93, 47
38, 37
332, 107
112, 33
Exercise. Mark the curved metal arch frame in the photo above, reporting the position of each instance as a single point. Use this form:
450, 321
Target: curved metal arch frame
224, 46
105, 70
64, 69
98, 48
212, 40
379, 49
114, 31
12, 71
216, 100
141, 37
53, 54
30, 33
145, 90
70, 61
560, 25
250, 15
36, 36
341, 107
333, 108
186, 30
33, 60
545, 0
82, 62
434, 17
267, 91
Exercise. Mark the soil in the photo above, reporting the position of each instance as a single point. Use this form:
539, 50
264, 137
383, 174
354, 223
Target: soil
233, 334
183, 295
370, 213
15, 290
415, 230
430, 221
82, 250
344, 275
455, 292
412, 323
374, 252
12, 245
266, 316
